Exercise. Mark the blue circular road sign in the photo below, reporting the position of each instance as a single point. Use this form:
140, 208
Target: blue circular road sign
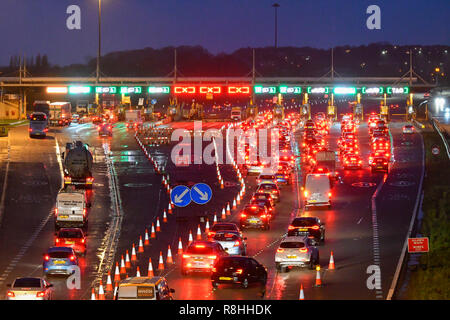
201, 193
180, 196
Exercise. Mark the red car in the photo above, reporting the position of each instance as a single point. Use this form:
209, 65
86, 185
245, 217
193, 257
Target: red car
73, 238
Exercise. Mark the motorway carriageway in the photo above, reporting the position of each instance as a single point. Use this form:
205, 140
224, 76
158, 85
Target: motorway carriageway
34, 179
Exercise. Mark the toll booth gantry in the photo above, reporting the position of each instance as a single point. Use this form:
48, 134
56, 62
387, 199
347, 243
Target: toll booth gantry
305, 109
331, 109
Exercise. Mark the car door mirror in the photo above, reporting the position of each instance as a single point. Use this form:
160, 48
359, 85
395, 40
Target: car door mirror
49, 285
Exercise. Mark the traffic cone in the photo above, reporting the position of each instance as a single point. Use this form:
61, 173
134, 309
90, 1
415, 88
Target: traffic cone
123, 269
101, 293
207, 226
215, 219
141, 245
199, 233
223, 214
331, 264
161, 262
150, 268
164, 216
169, 256
190, 237
93, 297
318, 280
158, 226
221, 184
168, 189
180, 247
228, 208
234, 204
170, 208
133, 254
238, 199
153, 234
302, 295
117, 273
146, 240
109, 282
127, 260
138, 272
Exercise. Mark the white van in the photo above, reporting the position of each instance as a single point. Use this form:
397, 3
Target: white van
71, 209
317, 191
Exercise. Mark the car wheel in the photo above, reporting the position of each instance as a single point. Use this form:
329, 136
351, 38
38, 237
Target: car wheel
215, 285
245, 283
278, 267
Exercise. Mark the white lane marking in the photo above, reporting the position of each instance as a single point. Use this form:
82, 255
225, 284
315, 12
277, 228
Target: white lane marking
5, 182
58, 157
359, 221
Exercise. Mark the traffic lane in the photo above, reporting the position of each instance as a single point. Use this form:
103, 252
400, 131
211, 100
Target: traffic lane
33, 181
397, 198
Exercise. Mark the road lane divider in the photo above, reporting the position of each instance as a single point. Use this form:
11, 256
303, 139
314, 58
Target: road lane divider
5, 181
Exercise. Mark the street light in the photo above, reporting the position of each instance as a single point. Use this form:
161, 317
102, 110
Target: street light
276, 6
99, 38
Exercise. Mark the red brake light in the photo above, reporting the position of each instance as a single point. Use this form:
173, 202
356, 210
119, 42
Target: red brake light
83, 240
243, 215
212, 257
280, 250
303, 250
72, 258
237, 243
263, 216
11, 294
239, 271
57, 240
40, 294
199, 246
214, 269
291, 228
316, 227
46, 257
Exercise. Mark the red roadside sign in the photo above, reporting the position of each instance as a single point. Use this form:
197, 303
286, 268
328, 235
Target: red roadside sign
418, 245
182, 161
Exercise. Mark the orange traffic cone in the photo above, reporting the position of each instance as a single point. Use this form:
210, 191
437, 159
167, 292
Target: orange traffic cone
169, 256
141, 245
138, 272
221, 184
109, 282
153, 234
228, 208
161, 262
302, 295
146, 240
123, 269
215, 219
190, 237
331, 264
150, 268
234, 204
207, 226
117, 273
133, 254
127, 260
158, 226
180, 247
238, 199
318, 280
164, 216
170, 208
223, 214
101, 293
93, 297
199, 233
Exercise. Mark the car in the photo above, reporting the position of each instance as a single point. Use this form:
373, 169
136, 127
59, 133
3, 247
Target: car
105, 129
352, 161
379, 163
255, 217
200, 256
29, 288
270, 188
298, 252
223, 226
144, 288
238, 270
264, 203
263, 196
73, 238
379, 134
408, 129
60, 260
254, 168
283, 175
266, 176
310, 227
232, 241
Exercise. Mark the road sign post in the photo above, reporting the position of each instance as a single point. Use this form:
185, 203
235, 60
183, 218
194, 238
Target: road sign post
418, 245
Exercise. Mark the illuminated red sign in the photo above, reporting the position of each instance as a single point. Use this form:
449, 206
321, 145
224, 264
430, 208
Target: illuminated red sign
214, 90
188, 90
238, 90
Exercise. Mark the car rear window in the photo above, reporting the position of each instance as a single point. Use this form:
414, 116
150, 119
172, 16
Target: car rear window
228, 263
223, 227
303, 222
69, 234
27, 283
222, 236
268, 177
199, 249
60, 255
292, 245
267, 186
38, 117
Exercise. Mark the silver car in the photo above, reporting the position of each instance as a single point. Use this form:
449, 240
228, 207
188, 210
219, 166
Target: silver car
30, 289
232, 242
296, 252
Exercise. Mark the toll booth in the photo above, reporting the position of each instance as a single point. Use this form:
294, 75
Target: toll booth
384, 112
251, 111
331, 112
278, 112
305, 111
358, 112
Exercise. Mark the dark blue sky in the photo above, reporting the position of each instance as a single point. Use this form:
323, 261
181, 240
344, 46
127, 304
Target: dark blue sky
39, 26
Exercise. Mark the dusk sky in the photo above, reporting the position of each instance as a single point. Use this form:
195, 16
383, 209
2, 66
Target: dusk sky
39, 26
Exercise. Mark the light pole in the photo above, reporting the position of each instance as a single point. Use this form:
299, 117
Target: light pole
276, 6
99, 38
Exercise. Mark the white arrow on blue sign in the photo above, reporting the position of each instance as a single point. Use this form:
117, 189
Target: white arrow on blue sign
201, 193
180, 196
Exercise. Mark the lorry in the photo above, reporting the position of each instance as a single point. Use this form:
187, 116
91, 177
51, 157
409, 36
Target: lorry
78, 165
327, 159
236, 114
278, 112
60, 113
42, 106
82, 106
133, 118
71, 209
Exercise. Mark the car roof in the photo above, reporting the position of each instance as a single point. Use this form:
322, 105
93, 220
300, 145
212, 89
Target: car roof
219, 224
295, 239
59, 249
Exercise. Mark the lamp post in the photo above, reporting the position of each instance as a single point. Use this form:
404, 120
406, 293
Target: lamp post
276, 6
99, 38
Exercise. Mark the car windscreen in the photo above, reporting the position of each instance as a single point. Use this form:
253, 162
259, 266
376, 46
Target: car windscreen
231, 263
60, 255
267, 177
304, 222
223, 236
69, 234
27, 283
292, 245
199, 249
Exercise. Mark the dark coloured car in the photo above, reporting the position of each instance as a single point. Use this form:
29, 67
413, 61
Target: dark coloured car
238, 270
255, 217
310, 227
